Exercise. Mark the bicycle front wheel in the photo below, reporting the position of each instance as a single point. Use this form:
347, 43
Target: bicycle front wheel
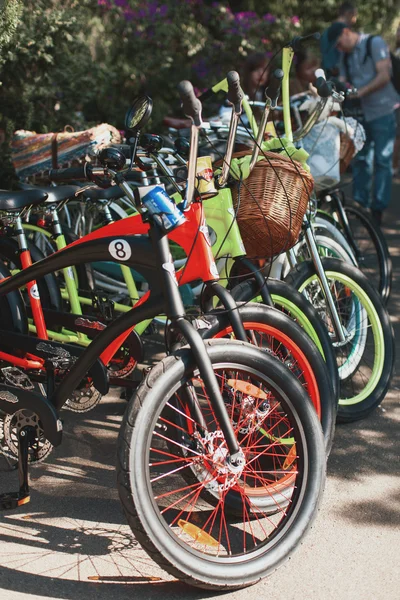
282, 453
366, 358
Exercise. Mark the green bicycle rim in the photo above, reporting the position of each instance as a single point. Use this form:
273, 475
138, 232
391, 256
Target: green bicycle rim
377, 332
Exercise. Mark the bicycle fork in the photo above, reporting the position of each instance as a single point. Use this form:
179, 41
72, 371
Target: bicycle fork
319, 269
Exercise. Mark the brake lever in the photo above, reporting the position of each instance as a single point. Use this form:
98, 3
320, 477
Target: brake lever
89, 186
338, 96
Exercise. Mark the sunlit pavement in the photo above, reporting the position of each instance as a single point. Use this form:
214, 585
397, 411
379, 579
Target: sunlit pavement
72, 540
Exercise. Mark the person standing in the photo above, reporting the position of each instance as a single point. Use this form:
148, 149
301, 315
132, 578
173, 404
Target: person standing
366, 65
347, 14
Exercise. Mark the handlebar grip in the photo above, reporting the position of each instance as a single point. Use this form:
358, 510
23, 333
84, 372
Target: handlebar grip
124, 148
273, 89
190, 104
235, 92
182, 146
70, 174
298, 40
320, 73
324, 88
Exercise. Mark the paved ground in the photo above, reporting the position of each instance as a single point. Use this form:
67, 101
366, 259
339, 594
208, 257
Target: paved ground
72, 541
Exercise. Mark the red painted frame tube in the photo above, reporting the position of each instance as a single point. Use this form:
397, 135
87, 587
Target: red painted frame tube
34, 298
192, 236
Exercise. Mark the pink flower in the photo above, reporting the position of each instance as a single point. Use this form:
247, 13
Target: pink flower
269, 18
295, 20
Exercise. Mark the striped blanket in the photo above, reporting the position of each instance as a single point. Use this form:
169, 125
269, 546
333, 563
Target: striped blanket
33, 153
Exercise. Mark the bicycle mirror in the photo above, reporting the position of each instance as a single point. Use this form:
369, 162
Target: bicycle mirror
138, 114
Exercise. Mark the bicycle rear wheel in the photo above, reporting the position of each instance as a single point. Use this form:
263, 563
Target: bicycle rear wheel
288, 300
283, 460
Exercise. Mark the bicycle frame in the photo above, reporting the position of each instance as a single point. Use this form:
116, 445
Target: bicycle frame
151, 257
199, 253
200, 264
336, 198
71, 292
287, 57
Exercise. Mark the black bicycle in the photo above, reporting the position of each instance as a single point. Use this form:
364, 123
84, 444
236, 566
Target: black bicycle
221, 458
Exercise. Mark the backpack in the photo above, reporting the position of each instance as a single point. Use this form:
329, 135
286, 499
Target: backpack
394, 59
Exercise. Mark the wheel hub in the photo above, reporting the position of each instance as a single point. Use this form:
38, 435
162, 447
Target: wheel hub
215, 468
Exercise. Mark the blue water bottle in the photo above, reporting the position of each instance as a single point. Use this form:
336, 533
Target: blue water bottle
157, 202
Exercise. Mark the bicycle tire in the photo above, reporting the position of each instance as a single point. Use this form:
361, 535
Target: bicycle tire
325, 224
287, 299
384, 280
327, 247
369, 334
179, 556
288, 342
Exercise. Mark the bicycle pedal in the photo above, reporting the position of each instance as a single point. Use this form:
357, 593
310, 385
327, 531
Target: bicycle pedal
17, 378
60, 363
103, 306
56, 357
12, 500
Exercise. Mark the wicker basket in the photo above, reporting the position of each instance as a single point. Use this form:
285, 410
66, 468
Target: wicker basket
347, 152
273, 201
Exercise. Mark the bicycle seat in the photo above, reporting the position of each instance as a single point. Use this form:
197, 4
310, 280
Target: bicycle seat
60, 193
17, 200
57, 194
98, 193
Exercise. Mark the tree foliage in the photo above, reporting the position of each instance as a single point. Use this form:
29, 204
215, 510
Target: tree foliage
80, 62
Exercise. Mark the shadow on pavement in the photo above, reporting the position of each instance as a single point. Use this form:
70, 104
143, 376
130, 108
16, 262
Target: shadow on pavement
76, 542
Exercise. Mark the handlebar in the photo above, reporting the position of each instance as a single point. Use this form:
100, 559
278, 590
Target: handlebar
191, 105
235, 92
126, 149
273, 90
192, 108
297, 41
97, 175
69, 174
341, 87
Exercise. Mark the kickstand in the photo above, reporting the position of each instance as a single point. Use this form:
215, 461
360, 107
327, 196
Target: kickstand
12, 500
